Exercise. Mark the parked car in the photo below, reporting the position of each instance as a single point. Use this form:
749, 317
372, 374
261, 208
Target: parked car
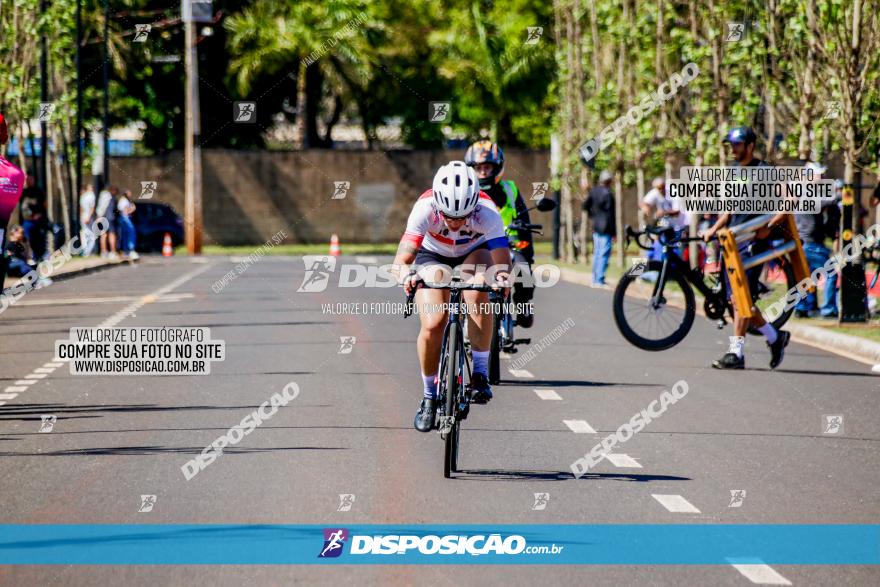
151, 221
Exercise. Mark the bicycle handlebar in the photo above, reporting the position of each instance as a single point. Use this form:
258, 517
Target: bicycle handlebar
449, 286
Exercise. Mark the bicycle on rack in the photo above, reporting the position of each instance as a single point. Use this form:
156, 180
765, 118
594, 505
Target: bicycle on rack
642, 310
454, 395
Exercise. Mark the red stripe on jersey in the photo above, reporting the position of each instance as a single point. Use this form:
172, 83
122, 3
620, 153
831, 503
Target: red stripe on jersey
442, 239
412, 238
426, 194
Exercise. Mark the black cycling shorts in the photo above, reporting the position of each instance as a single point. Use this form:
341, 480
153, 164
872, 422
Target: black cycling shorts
424, 257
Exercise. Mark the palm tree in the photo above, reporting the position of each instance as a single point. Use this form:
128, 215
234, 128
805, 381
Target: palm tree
321, 39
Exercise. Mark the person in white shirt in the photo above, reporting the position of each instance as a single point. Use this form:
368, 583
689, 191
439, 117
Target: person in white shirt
87, 202
660, 208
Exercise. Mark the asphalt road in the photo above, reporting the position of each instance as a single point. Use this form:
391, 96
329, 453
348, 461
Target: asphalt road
350, 431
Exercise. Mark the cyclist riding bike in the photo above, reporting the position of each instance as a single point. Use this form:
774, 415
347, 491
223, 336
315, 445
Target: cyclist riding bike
451, 225
742, 141
487, 159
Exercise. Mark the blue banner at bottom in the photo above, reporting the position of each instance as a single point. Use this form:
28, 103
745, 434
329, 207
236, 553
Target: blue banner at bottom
611, 544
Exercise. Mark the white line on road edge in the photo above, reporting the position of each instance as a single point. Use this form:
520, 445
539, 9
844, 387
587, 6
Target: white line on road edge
618, 459
760, 573
676, 504
548, 394
522, 373
47, 368
366, 260
579, 426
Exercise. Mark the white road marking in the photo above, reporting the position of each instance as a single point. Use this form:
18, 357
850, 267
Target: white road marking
8, 395
579, 426
96, 300
621, 460
54, 365
25, 381
46, 370
548, 394
675, 503
366, 260
761, 574
504, 355
522, 373
16, 388
36, 376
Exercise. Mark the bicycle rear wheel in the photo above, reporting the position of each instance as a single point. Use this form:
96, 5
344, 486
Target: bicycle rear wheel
450, 456
653, 326
495, 352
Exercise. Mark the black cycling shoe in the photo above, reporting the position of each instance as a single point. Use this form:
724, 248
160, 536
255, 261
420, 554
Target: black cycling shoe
424, 420
729, 361
777, 349
481, 392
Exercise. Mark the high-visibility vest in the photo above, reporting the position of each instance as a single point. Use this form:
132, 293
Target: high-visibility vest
508, 211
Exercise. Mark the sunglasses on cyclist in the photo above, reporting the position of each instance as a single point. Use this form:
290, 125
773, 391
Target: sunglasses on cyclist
465, 217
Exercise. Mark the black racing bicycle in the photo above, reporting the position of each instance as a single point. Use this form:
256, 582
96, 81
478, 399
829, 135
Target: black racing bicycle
642, 310
453, 389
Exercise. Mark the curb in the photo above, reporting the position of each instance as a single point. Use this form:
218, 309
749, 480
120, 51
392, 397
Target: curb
845, 345
61, 276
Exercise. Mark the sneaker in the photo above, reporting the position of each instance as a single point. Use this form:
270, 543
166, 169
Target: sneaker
424, 419
777, 349
134, 256
482, 393
729, 361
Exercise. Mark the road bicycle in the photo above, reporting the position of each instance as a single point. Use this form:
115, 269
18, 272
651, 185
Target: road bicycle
642, 310
453, 388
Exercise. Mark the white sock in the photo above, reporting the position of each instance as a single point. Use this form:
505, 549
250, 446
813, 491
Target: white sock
481, 362
736, 345
430, 386
769, 332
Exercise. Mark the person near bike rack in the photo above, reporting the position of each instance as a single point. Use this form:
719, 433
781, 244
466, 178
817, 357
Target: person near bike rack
742, 142
487, 159
451, 225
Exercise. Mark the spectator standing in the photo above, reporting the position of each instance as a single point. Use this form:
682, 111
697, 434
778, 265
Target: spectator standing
663, 211
813, 230
106, 208
599, 206
33, 216
87, 202
127, 235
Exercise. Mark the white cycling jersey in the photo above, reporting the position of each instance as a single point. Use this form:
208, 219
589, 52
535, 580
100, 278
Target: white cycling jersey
427, 230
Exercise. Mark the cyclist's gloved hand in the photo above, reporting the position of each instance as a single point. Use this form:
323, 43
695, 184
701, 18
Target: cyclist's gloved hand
502, 281
411, 282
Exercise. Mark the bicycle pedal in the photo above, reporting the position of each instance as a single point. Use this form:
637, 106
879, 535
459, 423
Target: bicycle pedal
523, 341
445, 425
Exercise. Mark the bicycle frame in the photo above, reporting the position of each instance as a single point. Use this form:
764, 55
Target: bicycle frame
454, 317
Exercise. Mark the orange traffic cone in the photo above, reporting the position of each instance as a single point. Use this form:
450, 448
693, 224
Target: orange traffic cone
334, 246
167, 251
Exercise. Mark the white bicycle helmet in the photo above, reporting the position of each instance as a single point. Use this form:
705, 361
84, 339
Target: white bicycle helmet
456, 189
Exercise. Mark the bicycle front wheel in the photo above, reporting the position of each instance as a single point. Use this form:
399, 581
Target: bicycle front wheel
450, 456
654, 325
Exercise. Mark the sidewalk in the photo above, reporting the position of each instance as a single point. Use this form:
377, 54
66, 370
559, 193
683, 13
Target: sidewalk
76, 266
863, 350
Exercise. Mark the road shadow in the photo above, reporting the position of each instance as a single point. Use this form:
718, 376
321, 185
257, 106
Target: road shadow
512, 475
155, 450
574, 383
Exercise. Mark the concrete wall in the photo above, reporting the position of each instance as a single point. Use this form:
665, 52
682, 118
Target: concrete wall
250, 195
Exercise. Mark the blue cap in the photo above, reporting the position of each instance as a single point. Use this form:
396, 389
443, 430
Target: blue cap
741, 134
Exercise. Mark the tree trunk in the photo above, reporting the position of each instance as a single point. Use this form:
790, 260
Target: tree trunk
805, 110
301, 106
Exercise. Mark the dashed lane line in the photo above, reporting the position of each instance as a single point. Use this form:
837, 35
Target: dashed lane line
760, 573
622, 460
579, 426
676, 504
547, 394
522, 373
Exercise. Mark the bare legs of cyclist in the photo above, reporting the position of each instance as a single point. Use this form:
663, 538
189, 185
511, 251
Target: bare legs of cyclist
433, 323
